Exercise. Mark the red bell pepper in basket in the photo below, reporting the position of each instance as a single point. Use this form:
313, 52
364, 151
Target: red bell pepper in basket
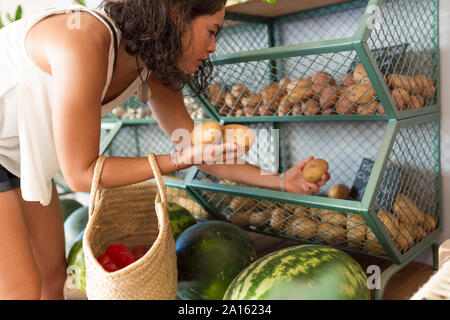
120, 255
107, 263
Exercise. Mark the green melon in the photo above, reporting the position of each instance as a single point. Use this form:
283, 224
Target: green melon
305, 272
68, 206
180, 219
76, 267
209, 255
74, 224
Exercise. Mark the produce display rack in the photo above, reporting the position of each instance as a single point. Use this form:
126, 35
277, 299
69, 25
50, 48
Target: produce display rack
398, 212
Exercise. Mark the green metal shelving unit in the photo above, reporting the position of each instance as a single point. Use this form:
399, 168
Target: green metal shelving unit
398, 215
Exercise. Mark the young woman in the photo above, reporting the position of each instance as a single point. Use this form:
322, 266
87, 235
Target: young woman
59, 73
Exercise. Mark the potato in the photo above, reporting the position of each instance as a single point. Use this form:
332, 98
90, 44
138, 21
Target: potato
338, 191
330, 233
380, 109
300, 212
370, 108
230, 100
372, 245
299, 83
251, 103
327, 111
259, 218
319, 81
404, 239
347, 79
328, 96
401, 98
240, 91
390, 222
238, 134
267, 110
360, 94
420, 233
399, 81
215, 94
345, 106
406, 211
297, 110
238, 111
333, 217
310, 108
206, 133
280, 219
322, 78
240, 219
314, 169
429, 223
242, 204
392, 225
425, 86
360, 75
253, 218
284, 85
285, 106
299, 94
301, 228
272, 94
356, 230
416, 102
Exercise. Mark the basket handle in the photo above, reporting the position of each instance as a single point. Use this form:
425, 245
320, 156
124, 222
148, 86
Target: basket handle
98, 172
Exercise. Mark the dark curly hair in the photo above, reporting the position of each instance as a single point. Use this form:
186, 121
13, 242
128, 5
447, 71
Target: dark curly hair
152, 34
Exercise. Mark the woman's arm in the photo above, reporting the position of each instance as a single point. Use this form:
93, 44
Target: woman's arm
170, 111
78, 83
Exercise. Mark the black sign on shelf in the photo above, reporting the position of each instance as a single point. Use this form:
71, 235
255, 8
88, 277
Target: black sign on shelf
361, 179
388, 189
389, 59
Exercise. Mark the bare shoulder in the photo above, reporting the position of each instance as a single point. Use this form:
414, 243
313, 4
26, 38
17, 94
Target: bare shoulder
77, 34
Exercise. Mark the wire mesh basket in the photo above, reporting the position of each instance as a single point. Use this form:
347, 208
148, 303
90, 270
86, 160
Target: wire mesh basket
356, 60
395, 214
134, 111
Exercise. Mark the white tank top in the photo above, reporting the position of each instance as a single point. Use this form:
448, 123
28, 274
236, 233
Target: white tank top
27, 147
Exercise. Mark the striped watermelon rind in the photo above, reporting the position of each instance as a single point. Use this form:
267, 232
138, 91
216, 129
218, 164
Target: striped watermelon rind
305, 272
180, 218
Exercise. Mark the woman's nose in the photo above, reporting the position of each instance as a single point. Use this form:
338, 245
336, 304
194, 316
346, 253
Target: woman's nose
212, 46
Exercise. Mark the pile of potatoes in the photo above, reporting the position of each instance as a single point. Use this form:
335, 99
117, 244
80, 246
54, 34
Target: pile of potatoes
410, 92
406, 224
132, 113
321, 94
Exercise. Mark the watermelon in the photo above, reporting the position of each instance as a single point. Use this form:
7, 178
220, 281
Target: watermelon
76, 267
74, 224
180, 219
68, 206
209, 255
304, 272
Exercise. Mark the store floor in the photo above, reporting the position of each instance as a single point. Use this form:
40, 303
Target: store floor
401, 286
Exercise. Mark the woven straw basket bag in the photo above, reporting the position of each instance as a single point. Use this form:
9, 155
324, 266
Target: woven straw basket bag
135, 215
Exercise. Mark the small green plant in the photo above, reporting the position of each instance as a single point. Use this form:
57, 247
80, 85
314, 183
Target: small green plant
17, 16
81, 2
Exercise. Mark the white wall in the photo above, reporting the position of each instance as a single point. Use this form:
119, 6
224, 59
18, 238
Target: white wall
32, 6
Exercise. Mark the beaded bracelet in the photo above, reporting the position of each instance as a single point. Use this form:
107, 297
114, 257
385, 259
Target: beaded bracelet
173, 157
